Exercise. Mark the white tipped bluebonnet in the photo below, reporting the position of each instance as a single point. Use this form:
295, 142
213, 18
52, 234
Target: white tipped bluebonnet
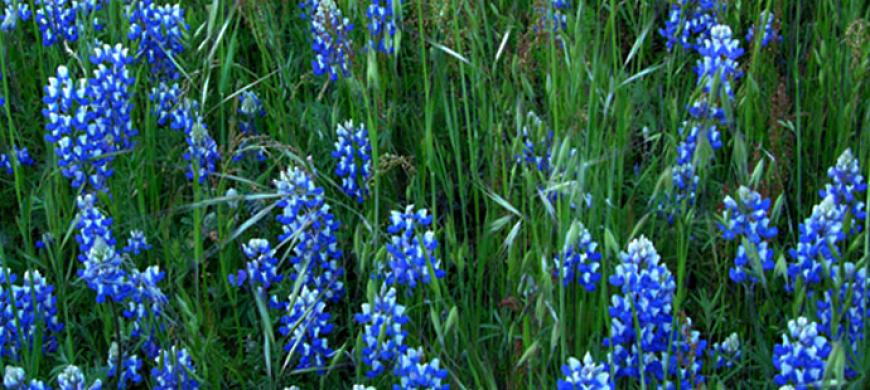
330, 39
769, 33
535, 153
250, 108
137, 243
261, 271
587, 375
728, 353
552, 16
72, 378
685, 357
716, 70
842, 311
101, 270
173, 370
57, 21
800, 358
131, 365
165, 98
411, 248
645, 294
847, 187
159, 31
22, 157
382, 25
15, 378
415, 373
144, 299
818, 240
12, 12
202, 150
580, 260
354, 154
689, 21
110, 91
308, 224
383, 336
746, 220
307, 325
29, 311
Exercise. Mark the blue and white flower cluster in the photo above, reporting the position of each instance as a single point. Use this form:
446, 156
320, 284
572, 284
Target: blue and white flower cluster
690, 21
202, 152
250, 108
307, 324
330, 38
411, 249
552, 16
309, 226
261, 271
534, 153
11, 12
800, 358
587, 375
88, 120
15, 378
843, 309
159, 31
131, 365
770, 35
383, 337
165, 98
747, 221
415, 373
382, 25
354, 153
21, 157
728, 353
29, 314
61, 20
847, 187
137, 243
580, 260
173, 369
644, 302
716, 70
72, 378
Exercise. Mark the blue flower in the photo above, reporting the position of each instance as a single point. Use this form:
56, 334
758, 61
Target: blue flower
841, 314
308, 224
22, 156
29, 311
57, 20
769, 33
646, 289
16, 379
144, 298
588, 375
685, 357
72, 378
383, 336
536, 154
580, 261
202, 150
174, 370
727, 353
102, 270
137, 243
330, 38
800, 358
689, 21
552, 16
131, 364
250, 108
747, 219
716, 69
110, 92
819, 237
354, 154
261, 270
165, 98
415, 373
847, 187
382, 25
411, 249
307, 324
11, 12
159, 31
683, 175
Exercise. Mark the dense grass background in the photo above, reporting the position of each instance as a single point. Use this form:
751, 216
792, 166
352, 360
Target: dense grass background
445, 113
